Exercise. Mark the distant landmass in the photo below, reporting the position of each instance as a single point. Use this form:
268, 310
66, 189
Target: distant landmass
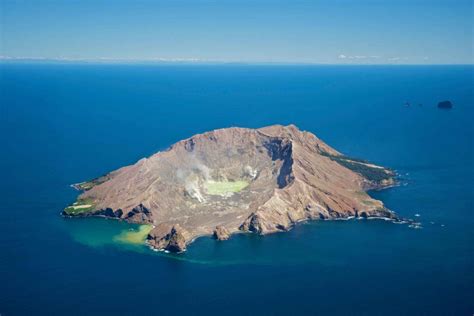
235, 180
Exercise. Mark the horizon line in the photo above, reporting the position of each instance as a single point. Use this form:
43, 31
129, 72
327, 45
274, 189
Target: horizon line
200, 61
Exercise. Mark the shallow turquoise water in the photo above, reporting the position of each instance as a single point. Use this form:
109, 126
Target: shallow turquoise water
62, 124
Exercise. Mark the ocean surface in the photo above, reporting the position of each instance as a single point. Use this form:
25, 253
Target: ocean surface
64, 123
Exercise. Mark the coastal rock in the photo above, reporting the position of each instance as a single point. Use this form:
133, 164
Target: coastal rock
236, 179
221, 233
173, 240
139, 214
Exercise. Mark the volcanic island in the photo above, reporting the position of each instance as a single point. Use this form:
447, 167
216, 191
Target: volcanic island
235, 180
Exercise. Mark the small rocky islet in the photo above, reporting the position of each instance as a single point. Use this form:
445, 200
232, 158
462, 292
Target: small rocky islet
235, 180
445, 105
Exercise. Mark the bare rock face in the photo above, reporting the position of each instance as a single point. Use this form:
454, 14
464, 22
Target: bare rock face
236, 179
221, 233
139, 214
172, 239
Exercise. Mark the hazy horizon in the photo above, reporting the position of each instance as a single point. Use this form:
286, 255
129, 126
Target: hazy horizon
280, 32
184, 62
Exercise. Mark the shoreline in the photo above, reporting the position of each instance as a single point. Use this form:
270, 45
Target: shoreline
378, 187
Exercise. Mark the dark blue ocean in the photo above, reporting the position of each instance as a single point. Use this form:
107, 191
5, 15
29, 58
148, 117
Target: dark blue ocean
65, 123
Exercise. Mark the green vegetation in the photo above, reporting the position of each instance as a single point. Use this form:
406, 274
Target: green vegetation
343, 157
134, 236
370, 173
80, 207
225, 187
362, 167
84, 186
368, 202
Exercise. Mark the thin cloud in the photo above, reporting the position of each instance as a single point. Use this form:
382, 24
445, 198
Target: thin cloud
343, 56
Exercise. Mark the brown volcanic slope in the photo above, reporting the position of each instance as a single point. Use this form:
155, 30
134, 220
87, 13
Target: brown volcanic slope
291, 176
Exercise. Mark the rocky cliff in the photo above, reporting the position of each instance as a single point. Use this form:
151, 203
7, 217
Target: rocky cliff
235, 180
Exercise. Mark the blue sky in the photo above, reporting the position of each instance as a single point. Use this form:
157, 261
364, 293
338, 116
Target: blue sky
333, 31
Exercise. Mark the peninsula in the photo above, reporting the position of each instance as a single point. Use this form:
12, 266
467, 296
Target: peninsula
235, 180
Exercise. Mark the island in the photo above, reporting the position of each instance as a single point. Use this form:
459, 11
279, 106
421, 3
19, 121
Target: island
235, 180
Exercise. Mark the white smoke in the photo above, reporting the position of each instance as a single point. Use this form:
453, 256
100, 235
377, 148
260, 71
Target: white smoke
192, 188
203, 169
249, 171
194, 173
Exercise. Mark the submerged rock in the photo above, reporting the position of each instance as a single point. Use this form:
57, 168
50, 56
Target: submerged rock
445, 105
255, 180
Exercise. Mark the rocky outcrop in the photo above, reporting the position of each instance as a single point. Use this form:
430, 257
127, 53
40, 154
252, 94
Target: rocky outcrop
221, 233
139, 214
236, 179
173, 240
